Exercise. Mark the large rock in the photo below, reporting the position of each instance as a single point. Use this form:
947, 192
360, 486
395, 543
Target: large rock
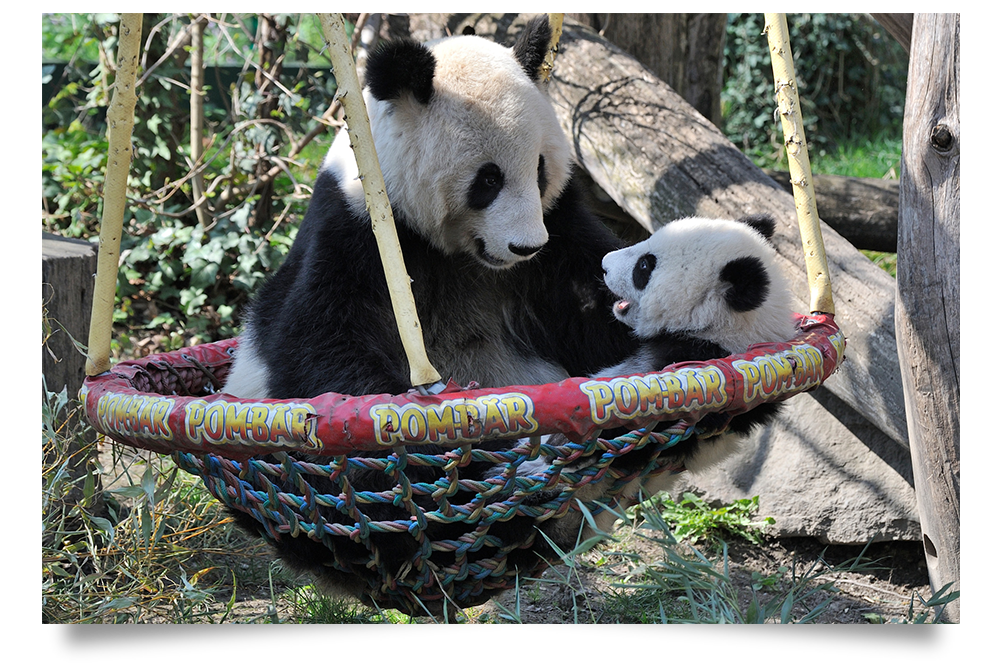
820, 470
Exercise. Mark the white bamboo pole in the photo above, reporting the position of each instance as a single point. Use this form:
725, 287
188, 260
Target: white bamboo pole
555, 24
197, 104
422, 373
787, 96
120, 122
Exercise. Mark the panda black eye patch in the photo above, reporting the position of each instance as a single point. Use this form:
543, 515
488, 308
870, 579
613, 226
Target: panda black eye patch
485, 187
642, 270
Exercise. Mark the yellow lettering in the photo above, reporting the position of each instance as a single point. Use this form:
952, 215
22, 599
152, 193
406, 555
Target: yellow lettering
215, 420
751, 378
649, 393
696, 389
161, 426
142, 415
600, 396
626, 396
519, 413
195, 418
442, 422
785, 375
715, 391
414, 423
472, 422
257, 427
673, 391
457, 420
494, 422
234, 421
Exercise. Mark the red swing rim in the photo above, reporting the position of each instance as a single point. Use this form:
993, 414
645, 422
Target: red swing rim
137, 402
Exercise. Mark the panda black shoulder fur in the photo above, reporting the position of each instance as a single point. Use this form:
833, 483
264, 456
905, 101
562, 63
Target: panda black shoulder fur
504, 258
697, 289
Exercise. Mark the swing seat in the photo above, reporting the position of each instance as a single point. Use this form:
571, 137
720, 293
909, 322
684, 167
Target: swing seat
171, 404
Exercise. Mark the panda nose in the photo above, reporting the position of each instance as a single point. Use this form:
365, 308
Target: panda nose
523, 250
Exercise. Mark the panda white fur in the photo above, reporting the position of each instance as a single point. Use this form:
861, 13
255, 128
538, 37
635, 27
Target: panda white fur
696, 289
504, 258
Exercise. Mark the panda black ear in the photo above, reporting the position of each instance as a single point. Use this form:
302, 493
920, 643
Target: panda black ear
748, 283
400, 65
763, 223
532, 45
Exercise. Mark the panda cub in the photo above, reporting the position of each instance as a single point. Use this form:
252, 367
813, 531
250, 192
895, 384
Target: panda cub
697, 289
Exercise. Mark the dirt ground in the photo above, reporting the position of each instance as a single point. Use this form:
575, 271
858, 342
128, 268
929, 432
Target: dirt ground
896, 573
879, 594
885, 591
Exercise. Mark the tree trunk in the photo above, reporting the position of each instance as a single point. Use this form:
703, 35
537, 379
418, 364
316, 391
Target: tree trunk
928, 295
660, 160
68, 268
683, 50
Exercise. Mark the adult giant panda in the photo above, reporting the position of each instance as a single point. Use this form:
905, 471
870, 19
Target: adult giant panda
697, 289
504, 257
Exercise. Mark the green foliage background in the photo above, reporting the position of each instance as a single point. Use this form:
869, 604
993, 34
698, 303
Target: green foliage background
180, 283
851, 76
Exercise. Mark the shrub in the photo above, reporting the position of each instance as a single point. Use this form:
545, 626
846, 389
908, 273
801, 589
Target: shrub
182, 281
851, 76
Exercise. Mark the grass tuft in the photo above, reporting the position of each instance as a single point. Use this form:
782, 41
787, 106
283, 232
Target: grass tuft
133, 540
694, 520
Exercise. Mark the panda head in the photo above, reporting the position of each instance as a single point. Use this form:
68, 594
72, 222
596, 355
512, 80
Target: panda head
469, 144
716, 280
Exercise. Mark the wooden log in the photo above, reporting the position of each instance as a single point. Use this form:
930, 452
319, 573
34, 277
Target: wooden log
863, 210
900, 26
928, 296
683, 50
659, 160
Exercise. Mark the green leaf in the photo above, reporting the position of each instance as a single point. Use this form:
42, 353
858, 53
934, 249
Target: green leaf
132, 491
148, 483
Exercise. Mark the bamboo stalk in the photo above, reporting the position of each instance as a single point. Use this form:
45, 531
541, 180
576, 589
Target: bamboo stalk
787, 96
198, 118
555, 23
422, 373
120, 122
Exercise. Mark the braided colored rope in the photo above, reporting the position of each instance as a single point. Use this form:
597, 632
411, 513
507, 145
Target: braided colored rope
252, 487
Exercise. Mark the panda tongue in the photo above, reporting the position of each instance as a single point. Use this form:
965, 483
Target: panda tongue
622, 306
